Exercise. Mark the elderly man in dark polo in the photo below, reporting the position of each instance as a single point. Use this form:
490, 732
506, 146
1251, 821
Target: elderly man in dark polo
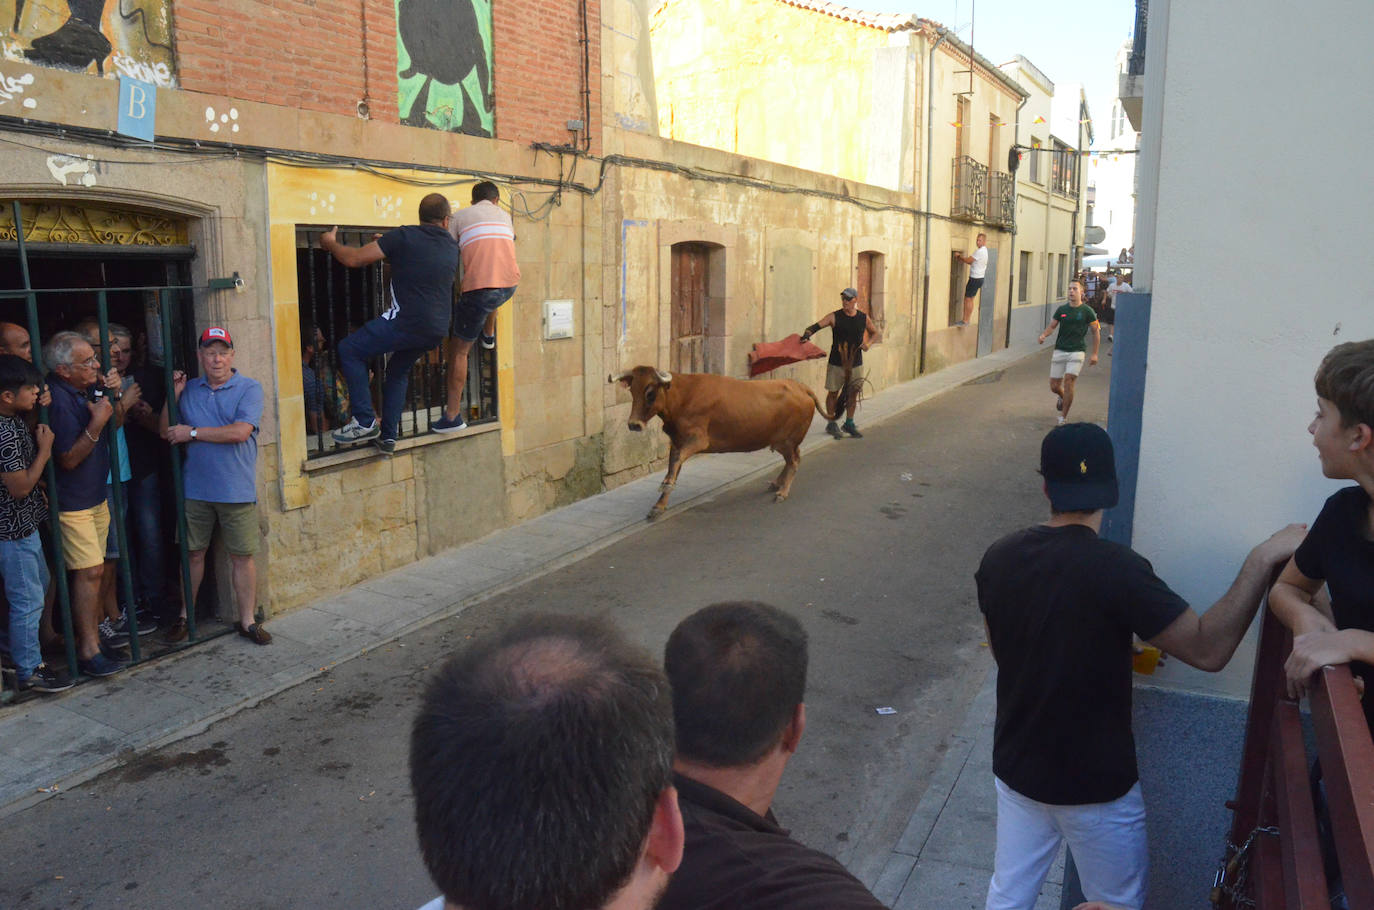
79, 414
220, 411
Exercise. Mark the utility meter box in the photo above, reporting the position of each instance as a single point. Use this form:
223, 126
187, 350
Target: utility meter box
558, 319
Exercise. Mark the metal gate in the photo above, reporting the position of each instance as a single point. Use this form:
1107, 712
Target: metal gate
171, 303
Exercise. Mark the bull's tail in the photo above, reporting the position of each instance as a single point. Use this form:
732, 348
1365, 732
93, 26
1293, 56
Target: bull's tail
820, 408
849, 389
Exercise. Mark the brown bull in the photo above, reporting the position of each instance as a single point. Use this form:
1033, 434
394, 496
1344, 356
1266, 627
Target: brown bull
702, 412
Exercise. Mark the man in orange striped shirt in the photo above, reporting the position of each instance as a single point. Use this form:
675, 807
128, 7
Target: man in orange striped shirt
486, 244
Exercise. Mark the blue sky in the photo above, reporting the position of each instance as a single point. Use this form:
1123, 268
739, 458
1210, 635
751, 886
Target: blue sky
1069, 40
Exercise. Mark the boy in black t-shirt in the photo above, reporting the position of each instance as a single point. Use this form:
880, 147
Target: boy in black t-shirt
1061, 605
23, 506
1339, 551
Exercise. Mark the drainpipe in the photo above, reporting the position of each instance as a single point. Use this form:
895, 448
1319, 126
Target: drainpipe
1011, 266
925, 202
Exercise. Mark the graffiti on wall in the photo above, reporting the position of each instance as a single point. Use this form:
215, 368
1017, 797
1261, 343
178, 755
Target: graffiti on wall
443, 65
109, 37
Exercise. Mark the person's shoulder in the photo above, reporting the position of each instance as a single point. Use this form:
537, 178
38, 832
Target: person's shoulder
1347, 501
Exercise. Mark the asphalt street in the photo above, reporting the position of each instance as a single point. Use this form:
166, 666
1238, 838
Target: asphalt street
303, 801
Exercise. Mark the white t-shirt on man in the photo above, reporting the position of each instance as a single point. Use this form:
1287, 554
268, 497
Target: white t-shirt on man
980, 263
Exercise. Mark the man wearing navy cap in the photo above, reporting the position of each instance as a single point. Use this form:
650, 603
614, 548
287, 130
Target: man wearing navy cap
220, 411
1061, 605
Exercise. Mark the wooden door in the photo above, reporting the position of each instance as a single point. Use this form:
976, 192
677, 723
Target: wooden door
690, 282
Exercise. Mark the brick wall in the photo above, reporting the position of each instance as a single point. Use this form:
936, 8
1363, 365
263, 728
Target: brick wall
297, 53
538, 69
307, 54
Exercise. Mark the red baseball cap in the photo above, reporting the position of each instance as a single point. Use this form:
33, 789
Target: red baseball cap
215, 333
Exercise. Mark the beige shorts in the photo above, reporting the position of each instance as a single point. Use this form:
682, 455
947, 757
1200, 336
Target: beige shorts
1070, 362
238, 522
83, 536
834, 376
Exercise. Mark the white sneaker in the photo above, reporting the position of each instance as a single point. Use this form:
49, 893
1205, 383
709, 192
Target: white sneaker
1059, 421
352, 432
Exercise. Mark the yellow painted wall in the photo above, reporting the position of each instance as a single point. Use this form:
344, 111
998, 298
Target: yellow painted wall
768, 80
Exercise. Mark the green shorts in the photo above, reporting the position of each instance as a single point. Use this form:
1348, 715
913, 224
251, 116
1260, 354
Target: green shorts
238, 523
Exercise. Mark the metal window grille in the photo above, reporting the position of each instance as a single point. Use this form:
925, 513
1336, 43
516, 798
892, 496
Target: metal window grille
335, 301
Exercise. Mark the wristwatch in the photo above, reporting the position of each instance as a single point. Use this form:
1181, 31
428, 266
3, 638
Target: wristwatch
193, 432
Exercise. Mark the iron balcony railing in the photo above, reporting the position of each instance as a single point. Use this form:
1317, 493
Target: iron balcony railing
1001, 202
1135, 65
968, 200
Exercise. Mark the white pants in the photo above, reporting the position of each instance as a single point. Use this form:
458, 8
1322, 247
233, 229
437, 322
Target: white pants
1107, 841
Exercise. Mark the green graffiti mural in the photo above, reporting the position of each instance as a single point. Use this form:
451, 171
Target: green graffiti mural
111, 37
443, 65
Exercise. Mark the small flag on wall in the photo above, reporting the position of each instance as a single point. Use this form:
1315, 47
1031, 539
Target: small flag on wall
1038, 120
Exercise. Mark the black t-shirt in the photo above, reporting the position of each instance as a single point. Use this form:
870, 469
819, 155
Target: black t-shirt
848, 330
1338, 551
1061, 604
736, 859
148, 452
423, 258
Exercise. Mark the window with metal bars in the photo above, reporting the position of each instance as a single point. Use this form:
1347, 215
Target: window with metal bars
335, 301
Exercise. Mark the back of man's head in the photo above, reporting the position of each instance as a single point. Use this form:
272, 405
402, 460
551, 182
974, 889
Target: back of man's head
537, 759
738, 672
485, 191
434, 208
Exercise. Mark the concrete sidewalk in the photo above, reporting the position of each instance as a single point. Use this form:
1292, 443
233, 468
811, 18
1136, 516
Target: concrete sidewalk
943, 859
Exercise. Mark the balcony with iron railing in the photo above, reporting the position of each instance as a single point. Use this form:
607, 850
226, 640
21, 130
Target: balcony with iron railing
980, 195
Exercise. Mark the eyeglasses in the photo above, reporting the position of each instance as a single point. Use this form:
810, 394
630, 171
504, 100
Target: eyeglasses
92, 362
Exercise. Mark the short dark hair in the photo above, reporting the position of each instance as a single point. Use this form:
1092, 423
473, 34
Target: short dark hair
738, 671
485, 191
537, 759
1346, 379
434, 208
17, 373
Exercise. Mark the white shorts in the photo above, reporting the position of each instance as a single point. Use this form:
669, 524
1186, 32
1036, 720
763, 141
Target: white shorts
1107, 841
1070, 362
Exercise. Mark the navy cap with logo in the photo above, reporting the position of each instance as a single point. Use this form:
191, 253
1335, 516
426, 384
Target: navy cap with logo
849, 293
1079, 467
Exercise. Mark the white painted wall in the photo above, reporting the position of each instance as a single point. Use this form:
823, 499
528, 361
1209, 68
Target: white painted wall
1255, 215
1114, 175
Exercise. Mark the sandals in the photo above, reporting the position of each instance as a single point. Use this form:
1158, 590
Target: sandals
254, 632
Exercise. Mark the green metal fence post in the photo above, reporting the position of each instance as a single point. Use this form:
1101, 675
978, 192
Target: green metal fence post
178, 487
64, 601
112, 443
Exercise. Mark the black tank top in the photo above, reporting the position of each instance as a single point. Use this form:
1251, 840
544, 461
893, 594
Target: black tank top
848, 330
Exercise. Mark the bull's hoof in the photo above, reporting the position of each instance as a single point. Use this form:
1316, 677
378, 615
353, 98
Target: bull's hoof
654, 513
780, 497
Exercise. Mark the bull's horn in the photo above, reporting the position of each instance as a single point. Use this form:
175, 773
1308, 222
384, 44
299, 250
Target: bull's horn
664, 376
623, 377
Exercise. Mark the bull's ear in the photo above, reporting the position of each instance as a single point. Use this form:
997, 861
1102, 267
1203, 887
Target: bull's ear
623, 379
664, 376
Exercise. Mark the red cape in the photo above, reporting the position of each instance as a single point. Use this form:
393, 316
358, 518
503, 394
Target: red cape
769, 355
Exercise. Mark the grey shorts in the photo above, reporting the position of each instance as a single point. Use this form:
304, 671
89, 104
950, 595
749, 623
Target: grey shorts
834, 376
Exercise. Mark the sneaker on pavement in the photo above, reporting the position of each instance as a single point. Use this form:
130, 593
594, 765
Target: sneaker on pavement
489, 342
1059, 421
852, 430
99, 665
142, 624
46, 679
112, 636
833, 429
1059, 403
449, 424
385, 446
353, 431
254, 633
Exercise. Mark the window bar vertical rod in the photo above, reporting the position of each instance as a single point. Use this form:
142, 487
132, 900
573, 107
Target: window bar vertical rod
112, 444
64, 602
178, 487
318, 360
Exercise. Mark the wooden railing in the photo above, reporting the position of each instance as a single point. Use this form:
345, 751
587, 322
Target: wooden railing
1274, 857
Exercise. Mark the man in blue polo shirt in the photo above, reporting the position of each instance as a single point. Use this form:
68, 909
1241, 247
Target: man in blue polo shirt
81, 451
220, 412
